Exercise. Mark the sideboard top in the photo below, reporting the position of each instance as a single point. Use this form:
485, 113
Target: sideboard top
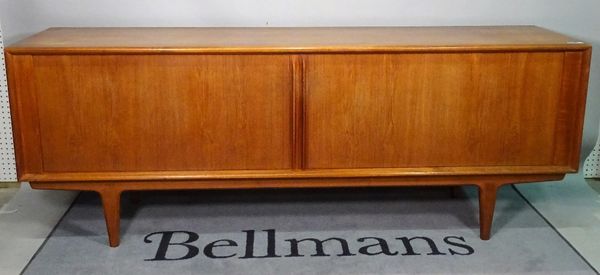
305, 39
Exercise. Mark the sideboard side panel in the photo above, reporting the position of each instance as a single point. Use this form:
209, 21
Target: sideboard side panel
107, 113
24, 115
569, 124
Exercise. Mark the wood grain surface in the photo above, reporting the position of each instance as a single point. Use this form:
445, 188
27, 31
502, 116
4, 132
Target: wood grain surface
117, 109
315, 39
421, 110
140, 113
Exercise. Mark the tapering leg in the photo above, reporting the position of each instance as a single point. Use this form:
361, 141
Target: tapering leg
111, 202
487, 202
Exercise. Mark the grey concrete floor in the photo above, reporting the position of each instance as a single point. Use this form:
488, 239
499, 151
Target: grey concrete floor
7, 191
27, 217
594, 184
572, 206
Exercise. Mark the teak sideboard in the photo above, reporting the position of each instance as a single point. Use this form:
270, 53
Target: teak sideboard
118, 109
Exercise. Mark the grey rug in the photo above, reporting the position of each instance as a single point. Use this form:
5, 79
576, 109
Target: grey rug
320, 231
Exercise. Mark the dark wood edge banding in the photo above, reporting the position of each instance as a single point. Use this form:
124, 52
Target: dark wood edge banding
297, 112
